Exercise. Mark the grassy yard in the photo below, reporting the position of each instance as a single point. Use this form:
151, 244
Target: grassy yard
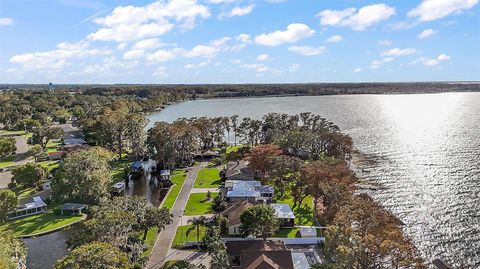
23, 191
118, 170
198, 204
7, 161
178, 178
53, 145
292, 232
50, 165
5, 132
149, 241
208, 178
38, 223
304, 213
181, 236
234, 148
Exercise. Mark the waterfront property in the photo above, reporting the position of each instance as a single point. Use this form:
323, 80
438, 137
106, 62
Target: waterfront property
253, 191
72, 209
284, 213
259, 254
238, 170
232, 214
35, 206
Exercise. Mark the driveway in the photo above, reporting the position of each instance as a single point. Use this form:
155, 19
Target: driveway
21, 158
164, 240
203, 190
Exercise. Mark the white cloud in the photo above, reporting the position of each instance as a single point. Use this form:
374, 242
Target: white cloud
127, 23
245, 38
259, 68
133, 54
334, 39
202, 51
431, 62
262, 57
385, 42
239, 11
443, 57
427, 33
294, 67
307, 50
358, 21
399, 52
377, 63
57, 59
293, 33
162, 55
430, 10
145, 44
6, 21
161, 72
356, 70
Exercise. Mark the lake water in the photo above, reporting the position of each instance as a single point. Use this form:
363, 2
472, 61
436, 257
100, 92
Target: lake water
44, 251
423, 154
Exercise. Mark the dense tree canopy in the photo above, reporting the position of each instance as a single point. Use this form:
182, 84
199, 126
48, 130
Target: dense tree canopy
30, 174
84, 176
8, 203
259, 220
12, 251
365, 236
7, 146
94, 255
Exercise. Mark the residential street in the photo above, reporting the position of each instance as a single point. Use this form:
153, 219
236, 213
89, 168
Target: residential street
20, 159
165, 238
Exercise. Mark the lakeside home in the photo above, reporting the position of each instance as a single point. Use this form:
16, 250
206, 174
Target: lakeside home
35, 206
253, 191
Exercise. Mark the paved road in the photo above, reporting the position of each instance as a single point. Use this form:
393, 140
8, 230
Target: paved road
165, 238
21, 158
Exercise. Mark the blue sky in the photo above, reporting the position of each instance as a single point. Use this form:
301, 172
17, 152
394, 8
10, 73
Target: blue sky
238, 41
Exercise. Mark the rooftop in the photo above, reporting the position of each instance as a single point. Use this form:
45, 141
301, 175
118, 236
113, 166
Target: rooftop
283, 211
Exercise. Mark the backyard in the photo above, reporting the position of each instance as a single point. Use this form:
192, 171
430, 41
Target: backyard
208, 178
198, 204
39, 223
303, 213
181, 235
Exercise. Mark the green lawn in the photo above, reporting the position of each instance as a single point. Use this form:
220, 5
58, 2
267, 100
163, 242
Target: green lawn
5, 132
304, 213
38, 223
234, 148
50, 165
149, 241
23, 191
198, 204
208, 178
53, 145
7, 161
181, 236
118, 170
178, 178
292, 232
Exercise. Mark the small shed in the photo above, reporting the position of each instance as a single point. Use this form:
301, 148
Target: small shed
306, 232
118, 187
72, 208
285, 214
164, 175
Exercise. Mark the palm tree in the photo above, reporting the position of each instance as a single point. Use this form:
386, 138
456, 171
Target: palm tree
196, 224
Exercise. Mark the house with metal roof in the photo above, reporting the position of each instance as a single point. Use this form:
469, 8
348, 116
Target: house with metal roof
35, 206
253, 191
285, 214
238, 170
